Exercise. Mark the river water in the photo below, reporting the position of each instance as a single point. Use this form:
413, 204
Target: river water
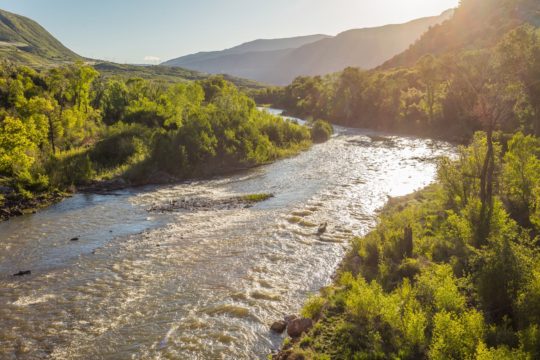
202, 283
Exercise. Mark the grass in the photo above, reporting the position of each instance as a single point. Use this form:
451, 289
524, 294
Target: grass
255, 198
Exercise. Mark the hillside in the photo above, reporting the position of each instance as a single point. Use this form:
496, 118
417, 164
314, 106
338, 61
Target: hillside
476, 24
24, 40
249, 47
365, 48
165, 74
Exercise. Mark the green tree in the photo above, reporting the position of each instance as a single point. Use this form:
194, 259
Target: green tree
521, 174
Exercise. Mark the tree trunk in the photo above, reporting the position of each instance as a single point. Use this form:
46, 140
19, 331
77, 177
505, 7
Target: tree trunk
51, 135
486, 191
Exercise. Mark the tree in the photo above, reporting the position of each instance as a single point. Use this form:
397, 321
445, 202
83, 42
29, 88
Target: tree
114, 101
429, 71
521, 174
17, 150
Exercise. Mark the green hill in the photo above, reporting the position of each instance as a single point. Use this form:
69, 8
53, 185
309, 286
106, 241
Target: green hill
25, 41
475, 25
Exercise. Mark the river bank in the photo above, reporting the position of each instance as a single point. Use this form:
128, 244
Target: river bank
438, 278
315, 341
13, 205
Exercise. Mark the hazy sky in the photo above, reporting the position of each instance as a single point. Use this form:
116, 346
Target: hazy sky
135, 30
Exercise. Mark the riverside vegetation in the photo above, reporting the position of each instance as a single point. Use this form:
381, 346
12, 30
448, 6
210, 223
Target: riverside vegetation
453, 271
447, 273
68, 126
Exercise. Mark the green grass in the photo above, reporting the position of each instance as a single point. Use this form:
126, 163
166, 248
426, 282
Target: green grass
255, 198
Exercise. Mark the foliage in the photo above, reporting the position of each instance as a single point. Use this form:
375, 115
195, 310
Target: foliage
313, 307
321, 131
451, 294
68, 126
256, 197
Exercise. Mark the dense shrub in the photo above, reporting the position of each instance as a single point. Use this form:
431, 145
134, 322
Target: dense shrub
321, 131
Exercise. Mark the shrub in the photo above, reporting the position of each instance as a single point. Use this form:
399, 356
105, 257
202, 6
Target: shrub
456, 336
313, 307
321, 131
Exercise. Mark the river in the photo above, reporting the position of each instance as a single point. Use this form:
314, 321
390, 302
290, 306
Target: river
202, 283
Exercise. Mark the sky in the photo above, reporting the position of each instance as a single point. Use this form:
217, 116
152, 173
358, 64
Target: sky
151, 31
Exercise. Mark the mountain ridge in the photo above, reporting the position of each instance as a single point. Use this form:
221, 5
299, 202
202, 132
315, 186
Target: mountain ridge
258, 45
23, 39
472, 26
355, 47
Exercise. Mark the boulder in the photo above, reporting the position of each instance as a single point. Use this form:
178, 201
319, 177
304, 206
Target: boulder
322, 228
279, 326
290, 318
299, 326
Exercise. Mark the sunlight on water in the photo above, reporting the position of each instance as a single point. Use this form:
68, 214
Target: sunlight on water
201, 283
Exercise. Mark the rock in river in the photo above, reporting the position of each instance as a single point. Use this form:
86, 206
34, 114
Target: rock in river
299, 326
290, 318
23, 273
279, 326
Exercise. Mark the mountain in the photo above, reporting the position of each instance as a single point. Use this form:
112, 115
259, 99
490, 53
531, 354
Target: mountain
475, 25
249, 47
24, 40
280, 61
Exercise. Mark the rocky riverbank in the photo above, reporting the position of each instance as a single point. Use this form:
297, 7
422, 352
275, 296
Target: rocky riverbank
316, 316
13, 205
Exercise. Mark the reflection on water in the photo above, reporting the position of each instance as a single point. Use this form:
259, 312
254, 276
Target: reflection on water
200, 284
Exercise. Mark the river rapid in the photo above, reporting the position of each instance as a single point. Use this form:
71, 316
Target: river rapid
196, 283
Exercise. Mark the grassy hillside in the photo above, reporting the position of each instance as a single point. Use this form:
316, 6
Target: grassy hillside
25, 41
476, 24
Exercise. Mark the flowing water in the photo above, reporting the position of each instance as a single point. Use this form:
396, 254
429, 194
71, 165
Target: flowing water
202, 283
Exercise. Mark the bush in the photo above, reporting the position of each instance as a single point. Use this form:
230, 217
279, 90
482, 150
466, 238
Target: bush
120, 149
313, 307
456, 336
321, 131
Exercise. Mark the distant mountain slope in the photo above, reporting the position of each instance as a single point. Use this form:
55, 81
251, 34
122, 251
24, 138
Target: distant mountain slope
24, 40
166, 74
366, 48
252, 46
475, 24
